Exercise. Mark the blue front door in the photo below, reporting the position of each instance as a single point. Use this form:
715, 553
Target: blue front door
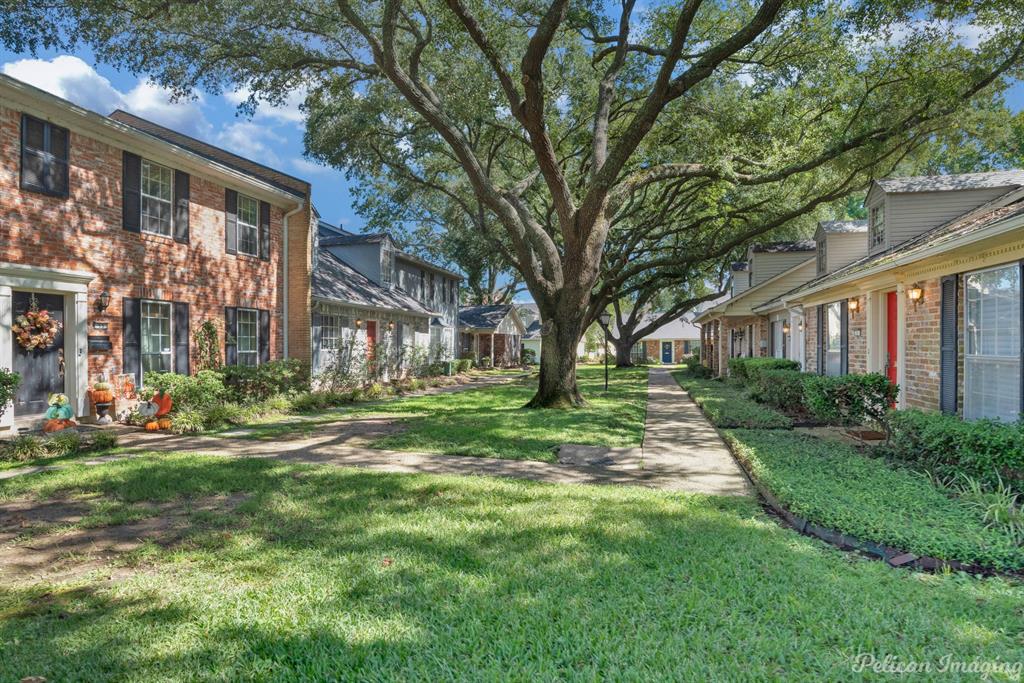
666, 352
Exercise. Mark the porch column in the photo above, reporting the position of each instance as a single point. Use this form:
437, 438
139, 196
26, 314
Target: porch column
79, 353
6, 350
492, 349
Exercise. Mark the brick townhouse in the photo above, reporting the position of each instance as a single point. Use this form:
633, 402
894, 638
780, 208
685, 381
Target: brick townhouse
132, 235
926, 291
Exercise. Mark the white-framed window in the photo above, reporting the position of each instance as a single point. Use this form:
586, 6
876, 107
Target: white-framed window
876, 229
992, 343
822, 264
247, 336
155, 330
157, 198
387, 263
248, 216
834, 339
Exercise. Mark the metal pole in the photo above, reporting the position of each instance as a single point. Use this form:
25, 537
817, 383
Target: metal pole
606, 360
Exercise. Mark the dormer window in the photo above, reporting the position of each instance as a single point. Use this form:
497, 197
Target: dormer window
387, 263
876, 227
822, 262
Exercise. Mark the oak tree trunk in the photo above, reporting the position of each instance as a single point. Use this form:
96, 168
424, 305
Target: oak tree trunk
623, 351
557, 386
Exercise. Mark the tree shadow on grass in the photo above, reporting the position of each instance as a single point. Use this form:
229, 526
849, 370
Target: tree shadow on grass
341, 574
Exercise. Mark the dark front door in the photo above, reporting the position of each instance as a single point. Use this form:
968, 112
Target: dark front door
41, 370
666, 352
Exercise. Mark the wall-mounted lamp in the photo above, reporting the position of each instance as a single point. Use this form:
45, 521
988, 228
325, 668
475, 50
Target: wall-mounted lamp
391, 324
853, 305
915, 293
104, 301
785, 328
359, 323
800, 326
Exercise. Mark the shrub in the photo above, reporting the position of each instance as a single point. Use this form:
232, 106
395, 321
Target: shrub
9, 382
435, 369
464, 365
222, 414
207, 346
746, 369
102, 440
199, 392
529, 356
24, 447
188, 421
948, 447
783, 389
65, 442
850, 399
374, 391
727, 406
256, 383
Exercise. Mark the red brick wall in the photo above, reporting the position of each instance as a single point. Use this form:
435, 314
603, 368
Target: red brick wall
857, 350
677, 350
921, 374
83, 232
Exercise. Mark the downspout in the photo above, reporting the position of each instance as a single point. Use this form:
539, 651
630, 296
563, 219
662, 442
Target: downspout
301, 205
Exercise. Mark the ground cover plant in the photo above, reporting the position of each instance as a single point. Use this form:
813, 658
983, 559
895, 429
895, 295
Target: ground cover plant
324, 573
726, 404
492, 421
836, 486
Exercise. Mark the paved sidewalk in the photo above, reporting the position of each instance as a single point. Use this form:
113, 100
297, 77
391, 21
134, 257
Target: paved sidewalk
681, 452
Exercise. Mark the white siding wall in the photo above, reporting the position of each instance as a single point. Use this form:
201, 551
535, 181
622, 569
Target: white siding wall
908, 215
843, 248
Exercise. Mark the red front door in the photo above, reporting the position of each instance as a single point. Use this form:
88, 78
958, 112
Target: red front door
890, 336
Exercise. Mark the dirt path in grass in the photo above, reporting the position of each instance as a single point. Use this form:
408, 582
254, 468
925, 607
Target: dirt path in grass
681, 451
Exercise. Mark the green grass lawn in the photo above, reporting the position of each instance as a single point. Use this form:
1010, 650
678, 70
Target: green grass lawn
491, 421
338, 574
727, 405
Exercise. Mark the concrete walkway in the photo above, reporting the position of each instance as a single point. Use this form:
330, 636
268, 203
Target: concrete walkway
681, 452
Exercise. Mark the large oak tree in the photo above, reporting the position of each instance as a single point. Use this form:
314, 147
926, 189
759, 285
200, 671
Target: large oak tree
590, 96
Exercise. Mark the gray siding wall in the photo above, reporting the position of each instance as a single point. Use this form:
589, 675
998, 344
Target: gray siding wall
766, 266
409, 275
844, 248
740, 281
908, 215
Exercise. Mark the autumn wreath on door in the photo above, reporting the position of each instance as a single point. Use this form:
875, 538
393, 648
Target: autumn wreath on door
36, 328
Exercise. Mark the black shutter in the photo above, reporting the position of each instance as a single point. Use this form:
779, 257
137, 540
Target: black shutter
947, 345
181, 338
231, 221
263, 340
131, 199
821, 339
844, 337
181, 203
131, 339
230, 332
265, 231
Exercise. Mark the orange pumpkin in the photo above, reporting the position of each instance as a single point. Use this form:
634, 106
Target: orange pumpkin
164, 422
56, 424
152, 426
163, 403
102, 396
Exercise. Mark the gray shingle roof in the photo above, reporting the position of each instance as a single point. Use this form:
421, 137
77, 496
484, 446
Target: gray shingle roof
947, 232
843, 226
483, 317
283, 181
533, 331
961, 181
335, 280
782, 247
350, 238
738, 266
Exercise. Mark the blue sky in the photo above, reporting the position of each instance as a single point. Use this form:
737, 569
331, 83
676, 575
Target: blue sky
273, 136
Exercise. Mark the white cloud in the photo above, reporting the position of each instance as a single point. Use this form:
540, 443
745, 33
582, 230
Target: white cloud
252, 141
290, 111
69, 77
311, 167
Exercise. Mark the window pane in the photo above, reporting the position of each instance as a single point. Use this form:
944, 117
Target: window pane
245, 338
992, 343
33, 169
248, 225
156, 336
34, 133
157, 189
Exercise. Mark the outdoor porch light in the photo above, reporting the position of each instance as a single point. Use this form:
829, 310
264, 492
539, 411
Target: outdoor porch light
853, 304
359, 323
104, 301
800, 326
785, 327
391, 324
915, 293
